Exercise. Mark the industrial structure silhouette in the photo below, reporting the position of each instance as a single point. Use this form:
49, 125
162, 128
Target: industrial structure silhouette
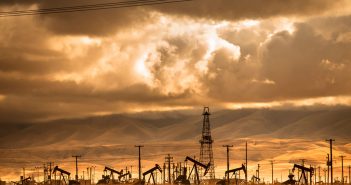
189, 171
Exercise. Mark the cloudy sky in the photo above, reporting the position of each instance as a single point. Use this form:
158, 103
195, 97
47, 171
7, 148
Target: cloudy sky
223, 53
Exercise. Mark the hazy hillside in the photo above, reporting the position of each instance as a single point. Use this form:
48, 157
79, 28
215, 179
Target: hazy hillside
282, 135
179, 126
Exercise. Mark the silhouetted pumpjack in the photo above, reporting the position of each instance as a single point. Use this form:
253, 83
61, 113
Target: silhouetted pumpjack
64, 172
255, 179
196, 164
26, 181
291, 180
124, 176
243, 168
182, 179
303, 173
151, 172
105, 179
224, 181
112, 171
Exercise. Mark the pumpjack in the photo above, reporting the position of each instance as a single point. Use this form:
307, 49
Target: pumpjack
151, 172
26, 181
223, 182
303, 176
291, 180
23, 181
182, 178
112, 171
65, 178
255, 179
105, 179
195, 166
243, 168
125, 176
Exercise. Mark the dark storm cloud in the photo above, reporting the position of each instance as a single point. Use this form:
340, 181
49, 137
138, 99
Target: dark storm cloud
78, 64
105, 22
248, 9
310, 63
95, 23
101, 22
28, 100
27, 48
227, 79
108, 21
11, 63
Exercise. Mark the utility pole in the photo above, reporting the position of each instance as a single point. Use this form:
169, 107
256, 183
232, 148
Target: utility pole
328, 164
272, 171
164, 173
46, 173
331, 160
77, 156
50, 171
88, 174
168, 161
139, 146
258, 172
315, 175
227, 146
319, 173
246, 165
94, 174
91, 174
342, 169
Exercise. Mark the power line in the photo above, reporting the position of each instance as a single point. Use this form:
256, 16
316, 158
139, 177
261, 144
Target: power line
88, 7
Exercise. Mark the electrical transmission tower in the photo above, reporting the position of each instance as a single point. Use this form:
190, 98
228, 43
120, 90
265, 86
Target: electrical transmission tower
206, 153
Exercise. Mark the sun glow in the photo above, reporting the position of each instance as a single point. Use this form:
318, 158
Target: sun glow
141, 68
2, 97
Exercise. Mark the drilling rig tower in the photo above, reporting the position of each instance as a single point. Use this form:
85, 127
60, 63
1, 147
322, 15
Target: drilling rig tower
206, 153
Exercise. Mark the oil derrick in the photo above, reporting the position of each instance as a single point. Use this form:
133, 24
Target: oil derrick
206, 153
